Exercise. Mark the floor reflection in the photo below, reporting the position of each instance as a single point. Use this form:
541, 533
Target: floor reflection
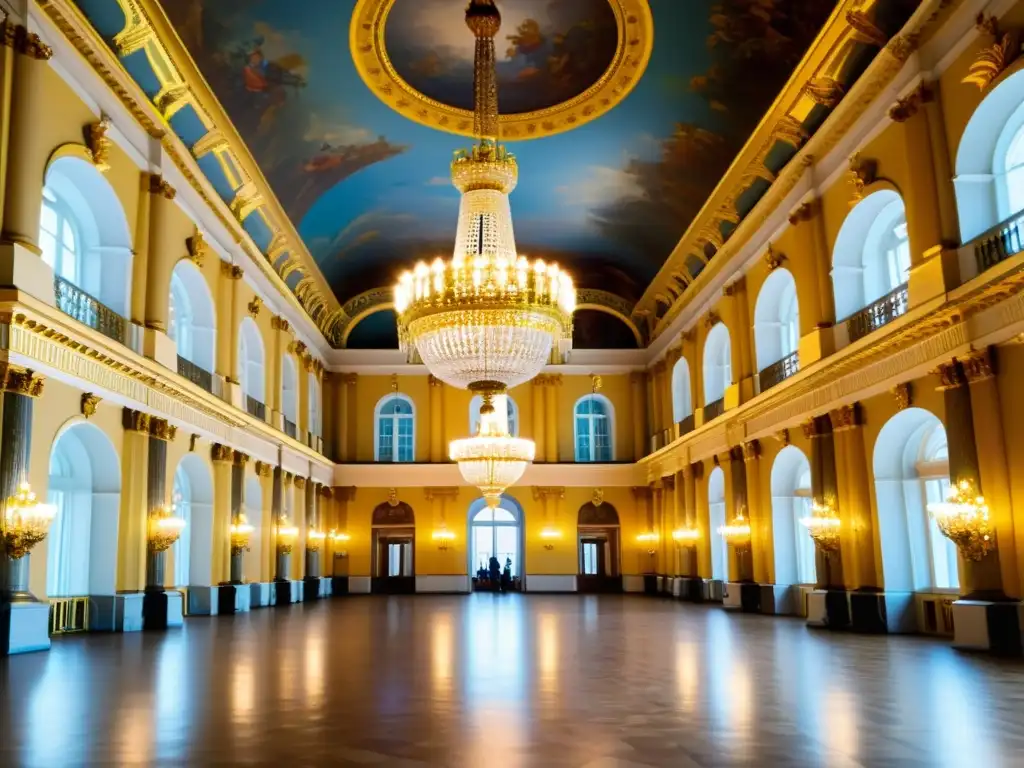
511, 681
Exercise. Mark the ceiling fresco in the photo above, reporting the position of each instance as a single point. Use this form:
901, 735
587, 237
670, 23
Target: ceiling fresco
368, 189
549, 51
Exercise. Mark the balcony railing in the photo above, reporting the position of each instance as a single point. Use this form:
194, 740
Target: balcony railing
714, 410
290, 429
778, 372
878, 313
201, 377
999, 243
255, 408
76, 303
686, 425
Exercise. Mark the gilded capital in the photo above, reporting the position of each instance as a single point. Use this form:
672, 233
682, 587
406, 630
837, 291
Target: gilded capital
162, 430
279, 323
782, 436
846, 417
158, 186
951, 375
978, 366
300, 482
751, 451
134, 421
324, 491
288, 477
241, 459
221, 453
19, 381
231, 271
263, 469
24, 42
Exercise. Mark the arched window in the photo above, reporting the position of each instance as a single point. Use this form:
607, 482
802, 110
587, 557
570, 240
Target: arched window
190, 316
511, 409
394, 429
85, 488
84, 237
791, 502
595, 429
682, 405
990, 160
776, 319
716, 513
717, 364
872, 253
182, 496
251, 371
315, 409
495, 533
289, 394
911, 470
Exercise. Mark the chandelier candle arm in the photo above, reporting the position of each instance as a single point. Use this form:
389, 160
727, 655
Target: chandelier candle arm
963, 518
26, 522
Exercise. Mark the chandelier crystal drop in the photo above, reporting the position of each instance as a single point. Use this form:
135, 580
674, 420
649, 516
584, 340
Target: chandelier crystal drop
488, 319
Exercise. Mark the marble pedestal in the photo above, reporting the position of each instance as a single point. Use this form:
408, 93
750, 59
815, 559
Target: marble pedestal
856, 611
980, 625
116, 613
25, 627
769, 599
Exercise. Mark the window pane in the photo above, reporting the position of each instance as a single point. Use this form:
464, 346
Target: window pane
405, 452
69, 237
48, 245
483, 546
602, 443
48, 220
583, 438
806, 571
503, 516
385, 449
508, 546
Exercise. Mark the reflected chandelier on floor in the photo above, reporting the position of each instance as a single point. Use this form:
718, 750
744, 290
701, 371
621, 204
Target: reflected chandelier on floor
488, 319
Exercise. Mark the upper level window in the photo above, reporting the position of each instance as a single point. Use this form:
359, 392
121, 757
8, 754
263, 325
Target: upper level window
179, 318
776, 319
191, 321
251, 358
717, 363
594, 429
395, 426
315, 417
1014, 164
58, 237
511, 409
682, 405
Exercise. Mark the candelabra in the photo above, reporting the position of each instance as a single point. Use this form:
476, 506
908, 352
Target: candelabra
241, 531
26, 522
823, 525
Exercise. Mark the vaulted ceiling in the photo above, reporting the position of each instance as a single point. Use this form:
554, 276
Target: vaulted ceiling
624, 115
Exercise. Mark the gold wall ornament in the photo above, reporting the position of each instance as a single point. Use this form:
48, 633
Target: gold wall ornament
772, 259
27, 43
279, 323
240, 533
158, 186
165, 528
711, 319
963, 518
263, 469
134, 421
979, 365
162, 430
393, 497
367, 44
951, 375
192, 440
219, 452
299, 348
25, 522
862, 174
782, 436
846, 417
597, 499
993, 59
89, 403
197, 248
231, 271
751, 451
99, 143
254, 306
903, 395
823, 525
802, 214
908, 106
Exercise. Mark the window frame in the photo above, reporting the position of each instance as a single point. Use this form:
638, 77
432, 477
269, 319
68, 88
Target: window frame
396, 419
592, 419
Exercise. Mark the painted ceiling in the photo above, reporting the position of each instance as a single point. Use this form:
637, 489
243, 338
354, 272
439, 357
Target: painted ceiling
608, 191
368, 189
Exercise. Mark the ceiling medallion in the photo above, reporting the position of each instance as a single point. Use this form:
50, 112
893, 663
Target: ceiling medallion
486, 320
628, 64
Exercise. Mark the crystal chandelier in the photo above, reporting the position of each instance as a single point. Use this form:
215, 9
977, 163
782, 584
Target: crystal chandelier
823, 525
488, 319
240, 532
165, 528
737, 533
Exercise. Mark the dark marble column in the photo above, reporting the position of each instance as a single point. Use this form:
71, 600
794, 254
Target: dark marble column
237, 510
282, 584
154, 606
740, 505
19, 390
824, 487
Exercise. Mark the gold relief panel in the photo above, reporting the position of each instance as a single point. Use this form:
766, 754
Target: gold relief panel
367, 41
89, 403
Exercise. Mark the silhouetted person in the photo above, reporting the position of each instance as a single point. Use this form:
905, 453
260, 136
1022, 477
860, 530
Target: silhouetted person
506, 576
495, 569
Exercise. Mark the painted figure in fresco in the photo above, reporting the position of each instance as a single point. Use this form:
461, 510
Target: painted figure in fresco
255, 73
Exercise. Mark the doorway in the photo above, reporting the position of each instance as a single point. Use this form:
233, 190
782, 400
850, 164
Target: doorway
394, 561
496, 533
598, 548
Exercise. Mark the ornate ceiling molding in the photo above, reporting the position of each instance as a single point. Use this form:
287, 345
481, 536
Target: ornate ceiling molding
181, 86
847, 27
636, 40
611, 304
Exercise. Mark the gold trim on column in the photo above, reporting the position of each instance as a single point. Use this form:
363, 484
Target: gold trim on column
162, 430
221, 453
20, 381
300, 482
846, 417
263, 469
240, 458
134, 421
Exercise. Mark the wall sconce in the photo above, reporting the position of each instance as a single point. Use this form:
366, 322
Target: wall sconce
26, 522
339, 539
823, 525
164, 529
737, 533
240, 533
649, 539
549, 536
963, 519
286, 535
314, 540
686, 537
443, 537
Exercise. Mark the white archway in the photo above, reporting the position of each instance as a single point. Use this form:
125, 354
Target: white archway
394, 429
716, 515
84, 235
85, 487
511, 411
682, 403
251, 361
872, 253
911, 467
776, 319
989, 177
594, 429
193, 497
791, 501
254, 514
289, 389
497, 532
191, 318
717, 363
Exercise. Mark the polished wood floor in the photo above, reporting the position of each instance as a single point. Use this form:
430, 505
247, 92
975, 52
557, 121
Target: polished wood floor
506, 681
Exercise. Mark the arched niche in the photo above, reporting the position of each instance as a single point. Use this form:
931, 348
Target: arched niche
251, 361
989, 180
871, 257
791, 501
911, 470
682, 402
717, 363
192, 320
85, 487
776, 319
193, 491
84, 234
